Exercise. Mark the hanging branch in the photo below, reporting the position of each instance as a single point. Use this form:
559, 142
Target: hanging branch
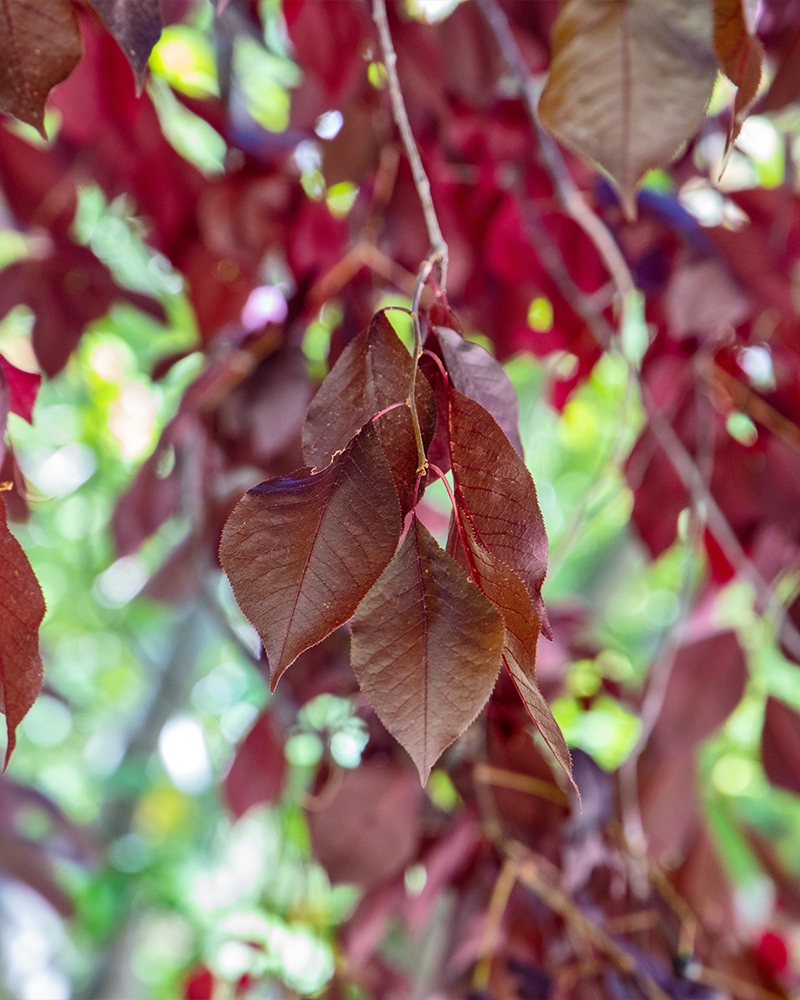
438, 253
439, 249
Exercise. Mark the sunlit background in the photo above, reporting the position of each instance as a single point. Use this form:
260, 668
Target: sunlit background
182, 883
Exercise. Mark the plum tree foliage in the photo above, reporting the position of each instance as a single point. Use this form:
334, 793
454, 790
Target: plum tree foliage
433, 193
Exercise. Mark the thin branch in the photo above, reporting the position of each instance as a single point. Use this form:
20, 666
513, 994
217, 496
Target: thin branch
569, 195
421, 182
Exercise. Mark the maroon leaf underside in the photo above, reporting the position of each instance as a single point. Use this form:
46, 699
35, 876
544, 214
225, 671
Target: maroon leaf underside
40, 45
372, 373
301, 551
22, 609
495, 490
503, 587
475, 373
426, 647
136, 27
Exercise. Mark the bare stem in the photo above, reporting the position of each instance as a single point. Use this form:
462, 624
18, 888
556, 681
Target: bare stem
421, 182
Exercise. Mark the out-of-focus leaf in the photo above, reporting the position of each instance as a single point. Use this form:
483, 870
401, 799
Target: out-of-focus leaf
301, 551
478, 375
780, 745
21, 612
495, 489
688, 715
40, 45
740, 54
372, 373
510, 597
22, 389
258, 768
136, 25
426, 648
629, 83
67, 288
368, 831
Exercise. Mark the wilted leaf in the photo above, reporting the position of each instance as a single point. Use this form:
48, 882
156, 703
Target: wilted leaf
21, 612
425, 648
258, 768
40, 45
740, 54
136, 26
495, 490
372, 373
369, 830
629, 82
780, 745
474, 371
302, 550
510, 597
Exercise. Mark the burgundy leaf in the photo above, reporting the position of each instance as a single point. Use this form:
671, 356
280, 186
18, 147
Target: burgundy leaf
40, 45
780, 745
136, 26
368, 831
21, 612
258, 769
494, 489
426, 648
740, 54
301, 551
372, 373
22, 389
510, 597
474, 371
688, 715
68, 288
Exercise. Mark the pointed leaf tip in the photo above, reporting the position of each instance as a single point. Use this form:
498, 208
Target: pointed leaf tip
301, 551
426, 648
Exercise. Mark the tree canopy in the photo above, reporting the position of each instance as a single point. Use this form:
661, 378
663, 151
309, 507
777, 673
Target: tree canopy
400, 498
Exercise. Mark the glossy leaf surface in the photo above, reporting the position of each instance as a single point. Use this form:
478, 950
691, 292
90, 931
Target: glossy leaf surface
426, 648
302, 550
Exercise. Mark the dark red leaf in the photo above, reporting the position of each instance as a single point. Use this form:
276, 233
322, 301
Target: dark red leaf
780, 745
40, 45
368, 831
22, 389
301, 551
510, 597
258, 769
740, 54
199, 984
136, 25
688, 714
425, 648
21, 612
67, 288
495, 490
372, 373
476, 374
